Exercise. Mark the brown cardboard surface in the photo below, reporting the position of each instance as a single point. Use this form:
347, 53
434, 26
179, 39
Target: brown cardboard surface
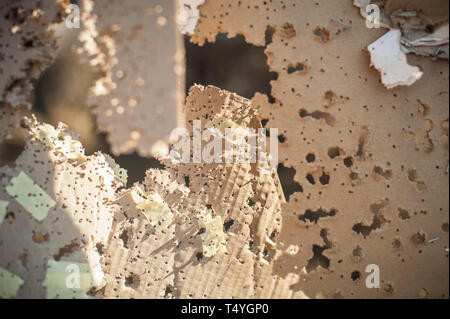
338, 110
176, 252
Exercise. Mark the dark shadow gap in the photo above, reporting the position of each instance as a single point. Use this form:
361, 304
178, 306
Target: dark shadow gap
230, 64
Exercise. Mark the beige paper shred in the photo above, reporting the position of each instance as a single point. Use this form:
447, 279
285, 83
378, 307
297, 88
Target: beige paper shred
134, 43
27, 47
379, 156
74, 229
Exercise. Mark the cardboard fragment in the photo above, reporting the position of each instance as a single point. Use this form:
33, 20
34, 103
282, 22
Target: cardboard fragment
76, 224
132, 43
9, 284
367, 132
177, 256
388, 58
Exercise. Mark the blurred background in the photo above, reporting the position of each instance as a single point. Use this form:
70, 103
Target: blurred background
61, 91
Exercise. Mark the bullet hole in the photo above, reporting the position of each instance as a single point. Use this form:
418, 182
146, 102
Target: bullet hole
288, 31
289, 186
268, 36
268, 253
363, 138
419, 238
228, 224
322, 34
388, 289
281, 138
186, 181
357, 253
299, 67
396, 244
10, 217
169, 291
403, 214
334, 152
355, 275
386, 174
250, 202
314, 216
353, 176
324, 179
310, 179
378, 220
329, 98
429, 28
348, 161
318, 115
132, 281
124, 237
318, 258
199, 256
99, 247
40, 238
264, 122
310, 158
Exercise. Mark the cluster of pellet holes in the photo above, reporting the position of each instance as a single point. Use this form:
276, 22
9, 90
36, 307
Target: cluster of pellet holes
418, 238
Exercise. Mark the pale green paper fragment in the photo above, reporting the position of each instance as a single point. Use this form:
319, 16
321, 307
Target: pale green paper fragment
9, 284
30, 195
